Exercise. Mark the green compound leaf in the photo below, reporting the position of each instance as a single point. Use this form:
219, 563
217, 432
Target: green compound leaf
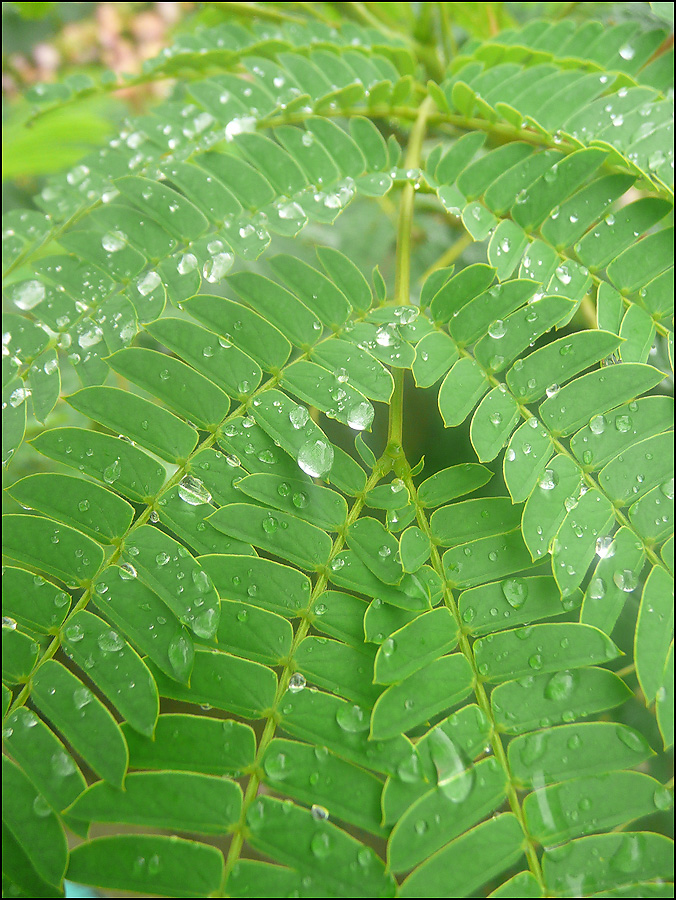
47, 604
376, 549
357, 366
609, 434
415, 645
253, 633
526, 457
473, 519
44, 759
493, 423
114, 667
175, 865
56, 549
359, 868
416, 592
447, 681
576, 540
392, 497
209, 805
487, 559
453, 482
558, 488
382, 619
338, 668
462, 797
286, 535
343, 727
95, 511
142, 615
168, 569
653, 631
251, 878
373, 682
582, 399
616, 797
486, 850
507, 339
281, 308
349, 793
460, 391
339, 267
93, 732
190, 743
514, 601
434, 356
443, 752
615, 577
269, 584
142, 421
255, 336
649, 459
459, 290
180, 387
561, 360
581, 861
313, 288
133, 473
541, 648
665, 698
414, 549
556, 698
638, 330
317, 505
556, 185
522, 885
341, 616
590, 748
13, 418
33, 824
223, 681
19, 655
328, 392
19, 873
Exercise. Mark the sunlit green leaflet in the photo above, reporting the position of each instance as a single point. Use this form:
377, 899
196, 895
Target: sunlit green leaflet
415, 651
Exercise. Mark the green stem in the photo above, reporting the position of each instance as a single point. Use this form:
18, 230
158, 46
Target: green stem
259, 11
361, 11
449, 256
627, 670
424, 24
447, 37
563, 10
402, 286
412, 161
312, 9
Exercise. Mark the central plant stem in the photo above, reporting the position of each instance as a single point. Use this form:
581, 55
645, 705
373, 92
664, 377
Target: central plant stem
395, 450
402, 284
412, 161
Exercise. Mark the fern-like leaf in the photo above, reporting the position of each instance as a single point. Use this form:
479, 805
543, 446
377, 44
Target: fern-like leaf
336, 677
